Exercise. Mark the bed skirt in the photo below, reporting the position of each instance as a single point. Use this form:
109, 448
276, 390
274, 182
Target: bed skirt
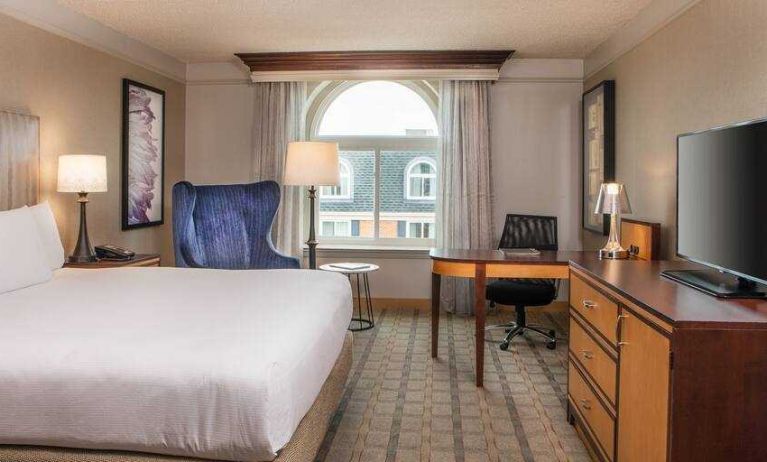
302, 447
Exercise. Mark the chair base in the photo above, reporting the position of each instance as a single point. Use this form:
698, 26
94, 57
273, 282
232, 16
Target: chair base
514, 330
520, 326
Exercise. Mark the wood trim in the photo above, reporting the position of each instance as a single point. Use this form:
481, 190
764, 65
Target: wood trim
495, 270
501, 270
446, 268
645, 236
383, 60
140, 260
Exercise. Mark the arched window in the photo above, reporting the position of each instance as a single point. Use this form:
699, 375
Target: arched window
344, 189
387, 137
378, 108
421, 180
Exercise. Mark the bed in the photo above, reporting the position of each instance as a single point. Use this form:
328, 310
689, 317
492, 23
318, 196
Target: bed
156, 364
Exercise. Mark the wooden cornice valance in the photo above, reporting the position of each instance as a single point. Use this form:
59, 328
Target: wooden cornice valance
374, 60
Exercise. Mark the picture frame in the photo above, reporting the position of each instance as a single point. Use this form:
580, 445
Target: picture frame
598, 151
143, 155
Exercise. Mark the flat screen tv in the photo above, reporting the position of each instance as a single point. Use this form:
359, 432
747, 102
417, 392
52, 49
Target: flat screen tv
722, 208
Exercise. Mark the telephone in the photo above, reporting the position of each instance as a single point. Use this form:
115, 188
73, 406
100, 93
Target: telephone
112, 252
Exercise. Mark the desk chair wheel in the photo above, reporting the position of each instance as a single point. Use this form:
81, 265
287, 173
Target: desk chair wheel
504, 346
552, 345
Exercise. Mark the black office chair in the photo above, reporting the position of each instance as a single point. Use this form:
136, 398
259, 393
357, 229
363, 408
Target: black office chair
526, 231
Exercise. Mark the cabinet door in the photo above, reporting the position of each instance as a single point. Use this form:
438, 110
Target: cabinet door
643, 391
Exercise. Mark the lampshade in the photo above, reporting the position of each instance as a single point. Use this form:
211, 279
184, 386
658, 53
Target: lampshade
82, 173
312, 163
612, 199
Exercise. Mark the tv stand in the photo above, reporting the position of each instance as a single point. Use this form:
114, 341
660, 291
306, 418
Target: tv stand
718, 284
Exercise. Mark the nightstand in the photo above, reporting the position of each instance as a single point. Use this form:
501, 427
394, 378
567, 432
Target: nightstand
147, 259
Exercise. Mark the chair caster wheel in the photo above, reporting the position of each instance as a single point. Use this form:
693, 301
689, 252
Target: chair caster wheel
551, 345
504, 346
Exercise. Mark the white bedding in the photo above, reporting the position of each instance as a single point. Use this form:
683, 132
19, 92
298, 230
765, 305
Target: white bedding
206, 363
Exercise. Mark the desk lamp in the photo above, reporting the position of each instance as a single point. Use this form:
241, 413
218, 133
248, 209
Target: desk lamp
613, 200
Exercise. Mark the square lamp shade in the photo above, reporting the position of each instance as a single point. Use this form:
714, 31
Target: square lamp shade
82, 173
612, 199
312, 163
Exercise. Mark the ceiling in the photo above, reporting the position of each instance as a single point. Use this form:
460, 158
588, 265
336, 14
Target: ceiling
213, 30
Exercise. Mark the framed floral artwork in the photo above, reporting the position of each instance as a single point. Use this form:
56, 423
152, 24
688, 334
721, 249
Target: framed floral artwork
143, 155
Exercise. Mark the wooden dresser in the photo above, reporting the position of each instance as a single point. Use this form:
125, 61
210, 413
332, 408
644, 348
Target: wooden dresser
659, 371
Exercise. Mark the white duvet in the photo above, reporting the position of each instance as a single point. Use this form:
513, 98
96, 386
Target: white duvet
206, 363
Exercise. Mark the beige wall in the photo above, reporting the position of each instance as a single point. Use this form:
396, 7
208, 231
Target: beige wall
76, 92
706, 68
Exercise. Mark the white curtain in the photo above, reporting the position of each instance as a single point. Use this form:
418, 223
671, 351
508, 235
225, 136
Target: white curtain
464, 213
279, 119
19, 159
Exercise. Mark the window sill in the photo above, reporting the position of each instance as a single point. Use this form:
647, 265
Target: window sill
369, 251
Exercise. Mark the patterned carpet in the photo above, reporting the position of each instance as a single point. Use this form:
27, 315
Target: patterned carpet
399, 405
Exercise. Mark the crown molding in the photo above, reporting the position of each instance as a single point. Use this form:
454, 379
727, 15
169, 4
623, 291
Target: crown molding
65, 22
542, 71
375, 74
367, 61
650, 20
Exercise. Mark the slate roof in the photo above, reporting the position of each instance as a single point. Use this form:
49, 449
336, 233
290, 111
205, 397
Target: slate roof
393, 164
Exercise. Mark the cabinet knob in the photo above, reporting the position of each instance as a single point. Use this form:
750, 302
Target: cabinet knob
587, 354
586, 404
589, 304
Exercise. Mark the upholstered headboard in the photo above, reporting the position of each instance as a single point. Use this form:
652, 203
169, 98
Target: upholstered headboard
19, 159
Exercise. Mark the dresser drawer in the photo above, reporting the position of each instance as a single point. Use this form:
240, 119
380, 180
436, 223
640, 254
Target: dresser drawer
596, 416
599, 365
597, 309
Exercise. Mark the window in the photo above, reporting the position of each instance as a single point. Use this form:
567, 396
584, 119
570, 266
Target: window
387, 136
420, 230
344, 189
335, 228
421, 179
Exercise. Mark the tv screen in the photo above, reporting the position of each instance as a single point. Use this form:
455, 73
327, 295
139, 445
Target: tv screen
722, 199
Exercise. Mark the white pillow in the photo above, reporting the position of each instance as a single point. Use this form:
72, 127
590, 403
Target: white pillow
49, 235
22, 261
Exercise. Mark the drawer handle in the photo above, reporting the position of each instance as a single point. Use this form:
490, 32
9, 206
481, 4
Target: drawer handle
586, 404
589, 304
588, 354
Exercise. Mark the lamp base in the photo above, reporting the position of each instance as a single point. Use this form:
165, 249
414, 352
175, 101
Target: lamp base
83, 252
613, 254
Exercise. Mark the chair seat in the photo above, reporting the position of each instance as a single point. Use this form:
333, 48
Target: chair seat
527, 292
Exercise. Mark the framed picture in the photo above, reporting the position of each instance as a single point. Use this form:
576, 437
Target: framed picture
143, 155
598, 151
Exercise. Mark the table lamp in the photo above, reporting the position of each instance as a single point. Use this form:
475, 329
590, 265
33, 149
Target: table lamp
81, 174
312, 163
613, 200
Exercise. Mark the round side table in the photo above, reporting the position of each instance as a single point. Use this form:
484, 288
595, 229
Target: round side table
357, 269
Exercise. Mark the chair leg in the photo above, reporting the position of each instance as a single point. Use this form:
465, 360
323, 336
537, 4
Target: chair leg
512, 333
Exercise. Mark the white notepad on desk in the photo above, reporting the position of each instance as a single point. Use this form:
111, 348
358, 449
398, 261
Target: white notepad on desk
522, 252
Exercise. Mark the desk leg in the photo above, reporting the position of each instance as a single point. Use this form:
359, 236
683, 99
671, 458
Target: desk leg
435, 285
479, 313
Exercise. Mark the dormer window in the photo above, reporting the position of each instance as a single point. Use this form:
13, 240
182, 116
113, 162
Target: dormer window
421, 180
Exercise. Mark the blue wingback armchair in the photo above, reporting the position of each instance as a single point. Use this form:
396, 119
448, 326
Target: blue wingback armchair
227, 226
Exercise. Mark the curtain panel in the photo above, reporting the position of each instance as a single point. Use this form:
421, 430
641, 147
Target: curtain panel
19, 159
464, 214
277, 120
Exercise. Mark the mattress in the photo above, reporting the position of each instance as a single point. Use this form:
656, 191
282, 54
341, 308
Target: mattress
205, 363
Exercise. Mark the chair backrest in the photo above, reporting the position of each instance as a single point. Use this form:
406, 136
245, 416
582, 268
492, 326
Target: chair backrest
529, 231
224, 226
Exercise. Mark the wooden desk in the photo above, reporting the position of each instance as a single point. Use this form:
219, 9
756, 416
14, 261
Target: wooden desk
483, 264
